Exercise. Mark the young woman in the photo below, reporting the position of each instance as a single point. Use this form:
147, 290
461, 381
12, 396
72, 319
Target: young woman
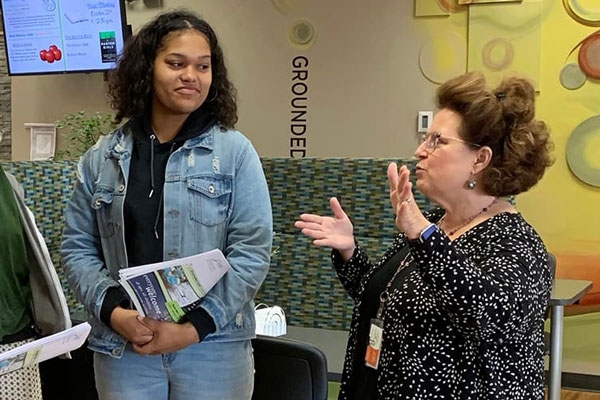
173, 181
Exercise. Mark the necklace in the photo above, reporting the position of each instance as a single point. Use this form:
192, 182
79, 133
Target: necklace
468, 220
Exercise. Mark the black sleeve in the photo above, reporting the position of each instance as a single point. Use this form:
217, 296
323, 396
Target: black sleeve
202, 321
114, 297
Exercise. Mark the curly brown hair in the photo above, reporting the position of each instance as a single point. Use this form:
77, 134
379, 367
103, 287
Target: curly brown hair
502, 119
130, 84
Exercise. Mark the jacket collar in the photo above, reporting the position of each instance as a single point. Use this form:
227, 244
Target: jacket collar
205, 140
121, 143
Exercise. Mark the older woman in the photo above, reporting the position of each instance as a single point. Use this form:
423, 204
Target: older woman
455, 308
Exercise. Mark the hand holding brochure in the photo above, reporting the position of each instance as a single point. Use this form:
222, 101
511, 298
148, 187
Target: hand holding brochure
44, 348
166, 291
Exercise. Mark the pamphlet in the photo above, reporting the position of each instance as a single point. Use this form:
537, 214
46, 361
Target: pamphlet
166, 291
44, 348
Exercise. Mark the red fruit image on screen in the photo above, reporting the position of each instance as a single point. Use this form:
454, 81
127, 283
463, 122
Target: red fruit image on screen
52, 54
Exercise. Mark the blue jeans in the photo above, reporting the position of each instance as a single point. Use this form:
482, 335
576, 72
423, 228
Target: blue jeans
210, 370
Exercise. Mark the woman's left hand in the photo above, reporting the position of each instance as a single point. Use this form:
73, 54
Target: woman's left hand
409, 218
168, 337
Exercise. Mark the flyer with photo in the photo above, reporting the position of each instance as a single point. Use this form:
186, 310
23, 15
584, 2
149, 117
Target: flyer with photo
167, 291
44, 348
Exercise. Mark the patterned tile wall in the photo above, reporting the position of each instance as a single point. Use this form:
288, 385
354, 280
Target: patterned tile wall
5, 104
301, 278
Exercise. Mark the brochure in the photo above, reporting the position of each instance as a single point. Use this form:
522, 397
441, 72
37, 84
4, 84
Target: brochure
44, 348
166, 291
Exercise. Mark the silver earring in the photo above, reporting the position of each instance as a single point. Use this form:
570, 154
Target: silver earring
471, 183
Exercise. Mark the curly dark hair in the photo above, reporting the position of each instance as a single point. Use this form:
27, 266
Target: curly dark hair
502, 119
130, 84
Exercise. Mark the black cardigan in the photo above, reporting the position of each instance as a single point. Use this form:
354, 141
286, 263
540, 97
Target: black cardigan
466, 323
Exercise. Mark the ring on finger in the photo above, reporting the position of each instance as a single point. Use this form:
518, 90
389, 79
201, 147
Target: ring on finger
408, 200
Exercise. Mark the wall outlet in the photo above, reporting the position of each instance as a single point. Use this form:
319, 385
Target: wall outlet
424, 121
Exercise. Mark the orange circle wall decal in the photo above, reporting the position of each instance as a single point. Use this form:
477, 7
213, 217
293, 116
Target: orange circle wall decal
497, 54
589, 56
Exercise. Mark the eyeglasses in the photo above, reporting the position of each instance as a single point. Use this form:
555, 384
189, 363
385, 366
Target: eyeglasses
432, 140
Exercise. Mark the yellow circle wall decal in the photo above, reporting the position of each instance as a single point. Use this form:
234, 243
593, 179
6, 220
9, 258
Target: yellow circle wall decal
586, 12
443, 57
283, 6
583, 151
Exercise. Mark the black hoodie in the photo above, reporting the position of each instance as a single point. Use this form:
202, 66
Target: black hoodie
143, 208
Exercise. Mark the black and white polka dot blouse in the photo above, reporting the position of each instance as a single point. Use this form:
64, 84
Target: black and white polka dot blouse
465, 321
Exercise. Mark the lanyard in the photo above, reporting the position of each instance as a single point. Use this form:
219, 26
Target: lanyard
376, 330
385, 295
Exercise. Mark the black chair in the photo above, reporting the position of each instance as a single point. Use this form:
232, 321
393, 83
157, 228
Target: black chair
552, 264
288, 369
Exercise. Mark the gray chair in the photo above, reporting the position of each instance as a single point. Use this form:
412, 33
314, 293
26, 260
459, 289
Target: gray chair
287, 369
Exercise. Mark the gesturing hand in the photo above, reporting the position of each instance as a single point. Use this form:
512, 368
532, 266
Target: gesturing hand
409, 218
335, 232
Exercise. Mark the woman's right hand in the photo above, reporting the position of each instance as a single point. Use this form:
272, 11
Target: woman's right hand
335, 232
126, 323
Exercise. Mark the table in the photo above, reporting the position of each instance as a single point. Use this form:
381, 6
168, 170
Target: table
564, 292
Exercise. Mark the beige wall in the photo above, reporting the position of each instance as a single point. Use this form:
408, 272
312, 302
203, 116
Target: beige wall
47, 98
364, 83
365, 89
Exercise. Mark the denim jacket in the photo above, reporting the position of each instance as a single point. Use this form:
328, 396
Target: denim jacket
215, 196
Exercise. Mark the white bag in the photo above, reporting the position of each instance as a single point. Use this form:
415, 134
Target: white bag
270, 321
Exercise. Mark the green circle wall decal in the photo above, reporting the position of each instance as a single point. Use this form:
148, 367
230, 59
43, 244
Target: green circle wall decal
572, 77
302, 34
583, 151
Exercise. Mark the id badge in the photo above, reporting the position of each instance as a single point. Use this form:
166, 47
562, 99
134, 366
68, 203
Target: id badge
374, 346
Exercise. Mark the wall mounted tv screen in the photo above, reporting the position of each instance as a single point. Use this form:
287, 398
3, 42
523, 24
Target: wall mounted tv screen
60, 36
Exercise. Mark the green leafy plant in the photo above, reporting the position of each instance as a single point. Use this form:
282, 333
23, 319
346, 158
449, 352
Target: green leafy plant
80, 131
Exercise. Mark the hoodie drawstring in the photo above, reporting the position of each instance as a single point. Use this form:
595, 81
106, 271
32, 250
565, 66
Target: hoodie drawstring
152, 138
157, 218
160, 203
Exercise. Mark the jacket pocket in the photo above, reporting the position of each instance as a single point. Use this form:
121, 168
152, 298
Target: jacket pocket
210, 200
101, 202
